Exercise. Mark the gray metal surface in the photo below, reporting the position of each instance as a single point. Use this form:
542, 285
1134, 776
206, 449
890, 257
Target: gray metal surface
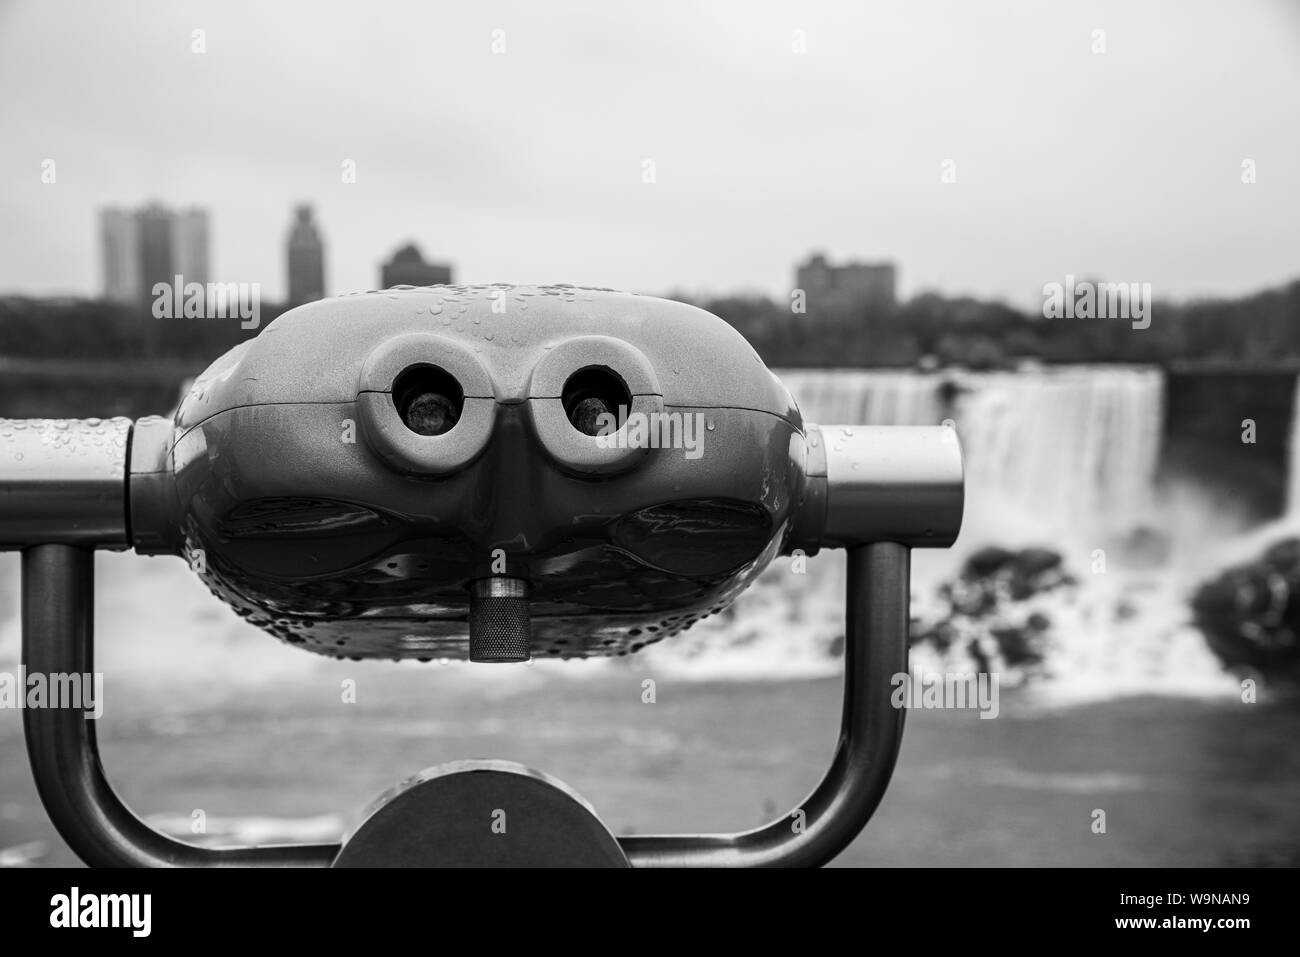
63, 480
481, 814
892, 483
322, 517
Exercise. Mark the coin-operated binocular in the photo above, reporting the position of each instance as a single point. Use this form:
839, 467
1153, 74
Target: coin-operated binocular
484, 472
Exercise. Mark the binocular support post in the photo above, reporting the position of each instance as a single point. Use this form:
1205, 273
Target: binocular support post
58, 612
58, 638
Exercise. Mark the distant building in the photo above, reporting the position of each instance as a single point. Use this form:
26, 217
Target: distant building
120, 243
851, 290
408, 268
306, 256
150, 245
190, 245
154, 224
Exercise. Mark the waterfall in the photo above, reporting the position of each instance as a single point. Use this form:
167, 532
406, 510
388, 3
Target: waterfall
1067, 449
858, 397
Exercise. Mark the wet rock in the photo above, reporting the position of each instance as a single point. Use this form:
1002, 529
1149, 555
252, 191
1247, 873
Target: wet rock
1250, 614
1033, 562
987, 561
986, 611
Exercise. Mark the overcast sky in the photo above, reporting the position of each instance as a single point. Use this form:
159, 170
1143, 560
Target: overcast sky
527, 165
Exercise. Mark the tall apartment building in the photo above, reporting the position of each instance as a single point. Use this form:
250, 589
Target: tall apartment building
150, 245
119, 237
190, 245
305, 254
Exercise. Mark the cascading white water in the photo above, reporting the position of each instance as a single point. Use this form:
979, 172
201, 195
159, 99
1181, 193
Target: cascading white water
1070, 448
866, 397
1060, 457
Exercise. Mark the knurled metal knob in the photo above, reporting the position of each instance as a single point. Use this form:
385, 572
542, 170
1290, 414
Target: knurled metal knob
498, 620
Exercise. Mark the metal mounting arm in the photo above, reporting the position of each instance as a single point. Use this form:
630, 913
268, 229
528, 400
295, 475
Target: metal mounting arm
58, 638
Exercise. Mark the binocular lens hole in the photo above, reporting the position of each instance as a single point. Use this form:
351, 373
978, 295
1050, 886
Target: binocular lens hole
591, 393
428, 399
